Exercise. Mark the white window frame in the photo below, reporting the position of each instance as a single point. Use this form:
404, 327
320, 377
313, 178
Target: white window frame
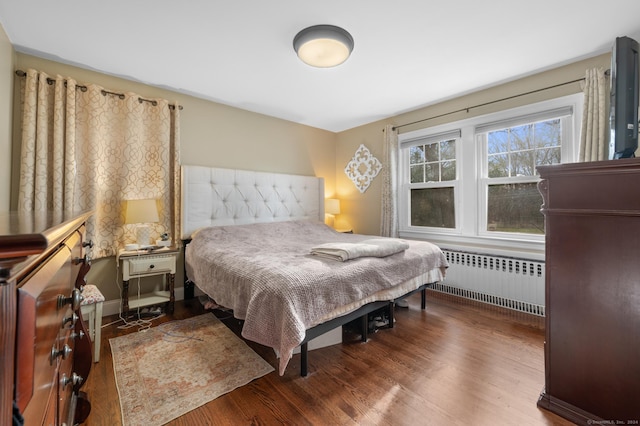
565, 114
453, 134
470, 209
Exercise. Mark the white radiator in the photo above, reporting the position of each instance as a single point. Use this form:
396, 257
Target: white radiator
503, 281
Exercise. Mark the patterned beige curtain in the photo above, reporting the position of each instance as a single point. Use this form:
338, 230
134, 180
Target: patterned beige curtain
389, 215
48, 107
85, 148
594, 138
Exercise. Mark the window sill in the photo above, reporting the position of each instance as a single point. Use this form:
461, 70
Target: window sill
525, 249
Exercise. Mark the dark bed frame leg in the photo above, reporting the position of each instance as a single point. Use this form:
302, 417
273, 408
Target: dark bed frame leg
365, 327
304, 362
423, 299
392, 309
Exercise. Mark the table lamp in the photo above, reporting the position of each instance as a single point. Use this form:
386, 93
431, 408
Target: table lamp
332, 208
142, 212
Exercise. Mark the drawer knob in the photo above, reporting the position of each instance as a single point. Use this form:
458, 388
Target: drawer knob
73, 380
152, 266
72, 319
74, 299
86, 260
64, 353
88, 244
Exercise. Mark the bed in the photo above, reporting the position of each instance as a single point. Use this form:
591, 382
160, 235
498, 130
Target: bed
250, 237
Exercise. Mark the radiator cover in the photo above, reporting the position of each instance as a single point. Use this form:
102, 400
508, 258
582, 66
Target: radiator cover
509, 282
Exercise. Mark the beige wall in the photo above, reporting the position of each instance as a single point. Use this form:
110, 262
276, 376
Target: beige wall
362, 211
212, 134
7, 64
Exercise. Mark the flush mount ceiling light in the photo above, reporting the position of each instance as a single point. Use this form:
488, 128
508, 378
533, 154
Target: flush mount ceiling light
323, 46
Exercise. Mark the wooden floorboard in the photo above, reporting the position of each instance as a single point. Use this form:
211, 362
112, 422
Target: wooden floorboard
458, 362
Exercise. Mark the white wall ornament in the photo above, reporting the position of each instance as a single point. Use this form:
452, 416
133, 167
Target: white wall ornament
362, 168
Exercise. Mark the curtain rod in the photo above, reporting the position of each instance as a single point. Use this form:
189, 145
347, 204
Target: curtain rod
394, 128
21, 73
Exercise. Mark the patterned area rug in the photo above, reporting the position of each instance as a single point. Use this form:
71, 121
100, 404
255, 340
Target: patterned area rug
171, 369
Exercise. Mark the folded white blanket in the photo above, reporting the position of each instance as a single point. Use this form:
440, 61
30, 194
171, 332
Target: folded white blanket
374, 247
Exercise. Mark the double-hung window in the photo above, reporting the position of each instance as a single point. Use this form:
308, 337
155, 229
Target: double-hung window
474, 181
433, 180
510, 151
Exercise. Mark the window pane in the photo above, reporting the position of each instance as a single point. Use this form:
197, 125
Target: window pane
515, 208
498, 165
498, 142
416, 154
520, 137
433, 207
522, 164
448, 150
417, 173
431, 152
448, 170
432, 172
548, 133
548, 156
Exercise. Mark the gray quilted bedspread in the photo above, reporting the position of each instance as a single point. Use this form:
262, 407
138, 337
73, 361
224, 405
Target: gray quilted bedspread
266, 274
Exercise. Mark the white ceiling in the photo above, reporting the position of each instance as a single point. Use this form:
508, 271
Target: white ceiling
408, 53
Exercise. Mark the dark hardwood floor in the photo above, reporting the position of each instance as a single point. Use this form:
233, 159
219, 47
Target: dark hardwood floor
458, 362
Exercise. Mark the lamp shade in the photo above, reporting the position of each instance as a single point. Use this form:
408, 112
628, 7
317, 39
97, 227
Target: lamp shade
332, 206
323, 46
141, 211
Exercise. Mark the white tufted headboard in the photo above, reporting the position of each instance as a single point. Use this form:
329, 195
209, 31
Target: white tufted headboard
214, 196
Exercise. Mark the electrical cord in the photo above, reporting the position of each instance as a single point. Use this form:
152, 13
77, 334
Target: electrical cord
141, 323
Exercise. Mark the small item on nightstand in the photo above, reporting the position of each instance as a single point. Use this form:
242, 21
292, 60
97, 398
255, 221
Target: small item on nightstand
164, 240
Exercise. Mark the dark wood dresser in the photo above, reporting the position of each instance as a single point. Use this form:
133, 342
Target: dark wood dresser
592, 347
46, 353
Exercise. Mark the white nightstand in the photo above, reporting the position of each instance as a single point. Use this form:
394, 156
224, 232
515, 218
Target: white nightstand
143, 263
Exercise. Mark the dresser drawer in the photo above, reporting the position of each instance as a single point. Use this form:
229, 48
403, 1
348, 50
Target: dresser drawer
150, 265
